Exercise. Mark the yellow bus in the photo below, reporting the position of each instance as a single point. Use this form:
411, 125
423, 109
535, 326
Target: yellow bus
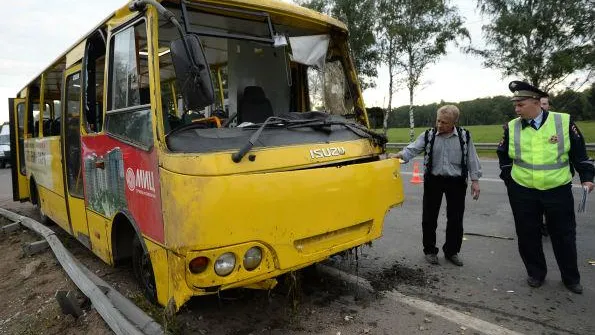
213, 144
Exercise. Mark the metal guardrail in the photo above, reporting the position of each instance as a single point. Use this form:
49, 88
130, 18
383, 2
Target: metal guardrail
120, 314
485, 146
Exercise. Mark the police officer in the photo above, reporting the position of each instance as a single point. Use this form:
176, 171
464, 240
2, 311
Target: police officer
534, 160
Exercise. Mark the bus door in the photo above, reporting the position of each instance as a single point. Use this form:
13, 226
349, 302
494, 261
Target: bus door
17, 116
71, 151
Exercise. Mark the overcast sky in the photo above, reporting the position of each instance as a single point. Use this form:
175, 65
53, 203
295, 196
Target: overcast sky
33, 33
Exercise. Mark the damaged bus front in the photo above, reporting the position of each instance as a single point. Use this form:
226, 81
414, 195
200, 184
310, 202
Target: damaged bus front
266, 160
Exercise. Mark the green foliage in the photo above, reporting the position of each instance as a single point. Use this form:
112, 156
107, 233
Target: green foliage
414, 34
484, 134
486, 111
422, 30
359, 16
541, 41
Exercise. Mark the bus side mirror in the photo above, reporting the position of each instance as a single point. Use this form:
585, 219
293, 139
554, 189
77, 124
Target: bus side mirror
193, 75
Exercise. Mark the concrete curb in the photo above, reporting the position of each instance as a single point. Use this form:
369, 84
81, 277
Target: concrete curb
121, 315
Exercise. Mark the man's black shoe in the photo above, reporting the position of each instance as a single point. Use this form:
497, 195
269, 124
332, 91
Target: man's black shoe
432, 259
454, 259
575, 288
534, 282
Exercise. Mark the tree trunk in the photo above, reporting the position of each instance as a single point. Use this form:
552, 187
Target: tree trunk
411, 121
390, 90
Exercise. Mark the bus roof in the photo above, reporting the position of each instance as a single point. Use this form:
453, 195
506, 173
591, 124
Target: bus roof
277, 9
285, 8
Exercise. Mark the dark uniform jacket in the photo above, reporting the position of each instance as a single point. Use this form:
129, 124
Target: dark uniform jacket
577, 155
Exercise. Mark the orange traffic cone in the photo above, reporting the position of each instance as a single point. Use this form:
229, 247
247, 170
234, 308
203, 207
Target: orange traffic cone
416, 176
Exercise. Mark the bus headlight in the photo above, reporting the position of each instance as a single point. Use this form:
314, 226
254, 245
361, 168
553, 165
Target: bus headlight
252, 258
225, 264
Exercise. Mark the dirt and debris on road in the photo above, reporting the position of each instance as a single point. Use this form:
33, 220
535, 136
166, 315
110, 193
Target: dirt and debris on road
27, 288
399, 274
304, 302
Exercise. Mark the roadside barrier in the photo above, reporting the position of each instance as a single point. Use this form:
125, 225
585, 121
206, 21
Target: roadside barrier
121, 315
486, 146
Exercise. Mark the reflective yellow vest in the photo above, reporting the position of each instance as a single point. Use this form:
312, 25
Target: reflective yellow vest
540, 157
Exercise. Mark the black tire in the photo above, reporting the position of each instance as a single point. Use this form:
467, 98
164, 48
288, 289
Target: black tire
43, 219
143, 271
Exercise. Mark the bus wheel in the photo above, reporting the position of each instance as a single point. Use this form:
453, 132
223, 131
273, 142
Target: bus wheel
143, 270
44, 219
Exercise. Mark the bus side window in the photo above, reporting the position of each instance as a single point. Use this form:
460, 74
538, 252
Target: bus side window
57, 119
33, 111
128, 115
36, 122
72, 134
21, 124
94, 67
52, 86
129, 70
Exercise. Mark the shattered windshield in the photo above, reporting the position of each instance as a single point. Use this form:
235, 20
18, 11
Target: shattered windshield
296, 71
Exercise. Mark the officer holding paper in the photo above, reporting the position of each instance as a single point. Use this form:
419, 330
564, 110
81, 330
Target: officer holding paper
535, 155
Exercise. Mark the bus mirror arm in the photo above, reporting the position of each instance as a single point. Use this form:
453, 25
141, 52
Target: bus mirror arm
190, 64
139, 5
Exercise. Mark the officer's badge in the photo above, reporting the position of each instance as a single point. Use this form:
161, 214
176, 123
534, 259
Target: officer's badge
554, 139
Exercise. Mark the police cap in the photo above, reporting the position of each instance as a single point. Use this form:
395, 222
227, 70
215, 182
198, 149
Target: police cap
522, 90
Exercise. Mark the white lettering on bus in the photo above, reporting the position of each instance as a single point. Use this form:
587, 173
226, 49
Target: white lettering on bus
144, 180
141, 181
327, 152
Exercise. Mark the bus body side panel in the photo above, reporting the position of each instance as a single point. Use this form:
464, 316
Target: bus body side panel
20, 183
118, 176
99, 236
43, 157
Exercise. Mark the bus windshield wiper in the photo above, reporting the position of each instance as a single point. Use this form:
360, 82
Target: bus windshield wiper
273, 120
356, 128
318, 123
237, 157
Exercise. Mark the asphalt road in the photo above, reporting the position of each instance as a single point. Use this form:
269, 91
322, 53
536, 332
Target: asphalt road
491, 285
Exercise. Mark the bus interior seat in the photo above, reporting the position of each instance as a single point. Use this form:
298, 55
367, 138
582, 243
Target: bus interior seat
35, 128
254, 106
144, 95
47, 127
55, 125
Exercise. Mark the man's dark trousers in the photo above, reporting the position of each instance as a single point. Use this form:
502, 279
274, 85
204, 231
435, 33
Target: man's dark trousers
455, 189
527, 207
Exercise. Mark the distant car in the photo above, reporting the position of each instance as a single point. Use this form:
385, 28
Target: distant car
4, 145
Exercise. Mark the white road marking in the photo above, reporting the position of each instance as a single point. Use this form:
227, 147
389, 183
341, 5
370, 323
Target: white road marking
427, 306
